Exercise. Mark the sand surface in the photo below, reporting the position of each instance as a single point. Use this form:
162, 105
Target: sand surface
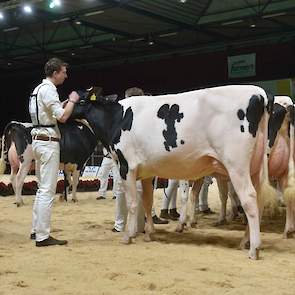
205, 260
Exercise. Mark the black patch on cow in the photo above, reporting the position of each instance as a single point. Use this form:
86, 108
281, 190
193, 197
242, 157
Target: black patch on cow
241, 114
170, 115
275, 122
254, 113
182, 141
122, 122
127, 120
123, 164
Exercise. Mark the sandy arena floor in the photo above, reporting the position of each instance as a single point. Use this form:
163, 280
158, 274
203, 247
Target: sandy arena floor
203, 261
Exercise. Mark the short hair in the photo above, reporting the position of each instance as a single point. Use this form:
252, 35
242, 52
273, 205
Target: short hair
54, 64
133, 91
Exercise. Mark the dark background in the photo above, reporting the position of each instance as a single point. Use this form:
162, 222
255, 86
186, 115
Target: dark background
173, 74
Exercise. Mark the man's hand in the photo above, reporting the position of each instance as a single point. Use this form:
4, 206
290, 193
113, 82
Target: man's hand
74, 97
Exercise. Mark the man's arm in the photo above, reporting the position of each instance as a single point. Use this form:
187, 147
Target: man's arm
73, 98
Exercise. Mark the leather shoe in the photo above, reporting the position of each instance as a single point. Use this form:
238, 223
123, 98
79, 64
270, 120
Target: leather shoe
51, 242
158, 220
100, 198
33, 236
114, 230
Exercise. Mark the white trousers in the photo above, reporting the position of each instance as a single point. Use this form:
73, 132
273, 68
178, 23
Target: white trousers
170, 194
107, 165
46, 154
202, 200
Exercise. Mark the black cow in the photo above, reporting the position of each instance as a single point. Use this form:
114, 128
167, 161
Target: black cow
77, 143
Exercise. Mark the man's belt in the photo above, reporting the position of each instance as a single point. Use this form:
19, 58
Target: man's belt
45, 138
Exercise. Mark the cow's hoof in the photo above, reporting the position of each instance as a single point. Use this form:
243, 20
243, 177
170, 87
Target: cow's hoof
147, 237
254, 254
245, 244
194, 224
288, 234
188, 226
61, 198
220, 222
19, 204
126, 240
179, 228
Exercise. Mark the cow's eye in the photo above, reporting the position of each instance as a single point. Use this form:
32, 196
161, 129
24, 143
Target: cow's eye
82, 102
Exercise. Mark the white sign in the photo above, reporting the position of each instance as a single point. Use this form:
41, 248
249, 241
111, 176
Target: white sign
90, 171
241, 65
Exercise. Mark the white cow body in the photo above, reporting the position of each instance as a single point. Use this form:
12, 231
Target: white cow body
209, 140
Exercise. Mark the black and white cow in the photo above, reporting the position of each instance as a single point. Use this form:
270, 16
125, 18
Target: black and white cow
187, 136
77, 143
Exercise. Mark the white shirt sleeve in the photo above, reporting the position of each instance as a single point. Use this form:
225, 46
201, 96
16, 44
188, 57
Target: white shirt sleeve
51, 100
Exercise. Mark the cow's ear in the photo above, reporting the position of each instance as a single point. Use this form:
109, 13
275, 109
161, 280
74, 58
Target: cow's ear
94, 93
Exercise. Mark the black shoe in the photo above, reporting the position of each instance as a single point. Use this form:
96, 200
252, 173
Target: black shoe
114, 197
100, 198
174, 213
164, 214
115, 230
51, 242
158, 220
33, 236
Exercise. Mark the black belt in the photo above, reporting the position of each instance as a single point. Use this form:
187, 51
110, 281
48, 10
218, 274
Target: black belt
45, 138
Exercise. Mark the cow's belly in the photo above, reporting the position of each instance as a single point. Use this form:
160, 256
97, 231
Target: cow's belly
182, 169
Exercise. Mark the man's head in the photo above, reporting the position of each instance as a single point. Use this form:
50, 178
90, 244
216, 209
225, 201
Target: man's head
133, 91
56, 70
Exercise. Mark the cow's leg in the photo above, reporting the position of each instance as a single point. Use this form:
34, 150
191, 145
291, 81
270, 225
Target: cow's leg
147, 197
234, 201
13, 179
14, 166
247, 194
75, 177
223, 195
237, 209
289, 200
64, 195
184, 193
188, 204
19, 181
131, 199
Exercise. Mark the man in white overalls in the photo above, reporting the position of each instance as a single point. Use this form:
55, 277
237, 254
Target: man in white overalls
45, 109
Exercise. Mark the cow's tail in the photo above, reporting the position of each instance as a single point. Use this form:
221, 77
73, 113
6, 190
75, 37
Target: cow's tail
266, 194
289, 192
2, 159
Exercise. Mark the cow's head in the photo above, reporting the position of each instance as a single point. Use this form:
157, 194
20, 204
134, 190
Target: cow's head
104, 114
92, 96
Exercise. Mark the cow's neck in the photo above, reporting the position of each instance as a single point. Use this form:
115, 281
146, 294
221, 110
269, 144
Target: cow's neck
105, 121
